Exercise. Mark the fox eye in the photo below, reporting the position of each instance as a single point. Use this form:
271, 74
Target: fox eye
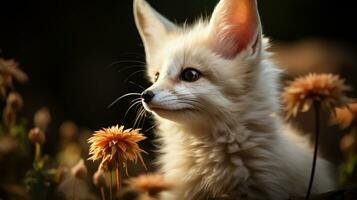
190, 75
156, 76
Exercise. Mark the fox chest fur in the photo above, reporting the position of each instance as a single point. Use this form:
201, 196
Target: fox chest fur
232, 165
204, 168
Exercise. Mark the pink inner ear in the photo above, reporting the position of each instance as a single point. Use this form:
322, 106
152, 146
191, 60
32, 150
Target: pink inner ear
239, 25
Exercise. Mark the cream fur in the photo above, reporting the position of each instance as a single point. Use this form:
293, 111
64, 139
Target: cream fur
222, 135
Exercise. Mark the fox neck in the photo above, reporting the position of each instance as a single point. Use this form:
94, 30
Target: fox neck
223, 144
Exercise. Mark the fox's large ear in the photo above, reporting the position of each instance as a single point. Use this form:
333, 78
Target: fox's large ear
234, 27
152, 26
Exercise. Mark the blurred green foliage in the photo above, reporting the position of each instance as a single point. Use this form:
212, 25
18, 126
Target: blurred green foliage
348, 168
39, 183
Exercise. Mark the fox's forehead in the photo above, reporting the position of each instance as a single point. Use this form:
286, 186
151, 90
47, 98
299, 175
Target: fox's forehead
180, 50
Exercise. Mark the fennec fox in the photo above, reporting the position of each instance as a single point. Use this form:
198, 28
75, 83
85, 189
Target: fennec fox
215, 99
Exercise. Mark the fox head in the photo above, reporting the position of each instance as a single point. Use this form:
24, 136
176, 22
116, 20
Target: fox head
204, 72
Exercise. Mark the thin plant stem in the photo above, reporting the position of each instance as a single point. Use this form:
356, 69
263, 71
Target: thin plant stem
317, 133
74, 188
102, 194
37, 152
111, 185
118, 177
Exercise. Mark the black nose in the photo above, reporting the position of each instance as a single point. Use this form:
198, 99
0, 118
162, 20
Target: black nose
147, 96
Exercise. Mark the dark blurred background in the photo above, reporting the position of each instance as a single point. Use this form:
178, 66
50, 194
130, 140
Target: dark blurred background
82, 55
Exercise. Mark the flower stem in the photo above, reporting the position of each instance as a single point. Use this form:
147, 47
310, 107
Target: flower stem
37, 152
102, 193
111, 185
74, 188
317, 132
118, 178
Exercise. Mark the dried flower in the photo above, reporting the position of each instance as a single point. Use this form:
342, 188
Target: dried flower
152, 184
327, 89
321, 90
42, 118
345, 115
9, 70
11, 67
14, 101
9, 117
36, 136
115, 145
69, 155
68, 130
79, 170
348, 142
99, 178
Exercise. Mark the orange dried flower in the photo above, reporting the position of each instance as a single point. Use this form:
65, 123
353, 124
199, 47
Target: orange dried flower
152, 184
327, 89
348, 142
345, 115
115, 145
